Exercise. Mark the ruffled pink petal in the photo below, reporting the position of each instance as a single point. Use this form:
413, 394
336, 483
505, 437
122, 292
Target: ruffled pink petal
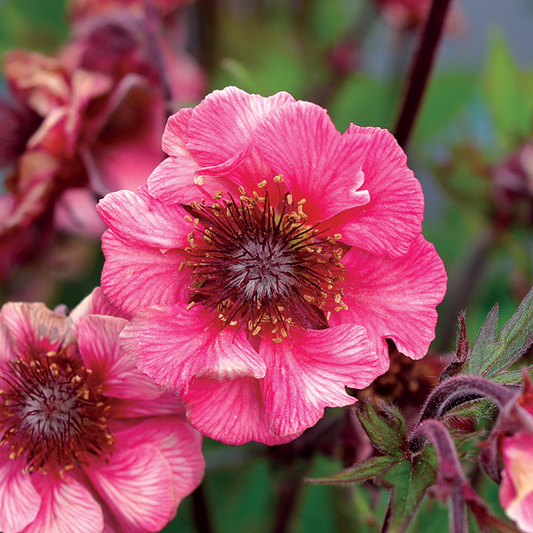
311, 373
319, 165
136, 483
232, 412
176, 439
19, 500
67, 507
175, 136
94, 304
393, 217
34, 328
174, 345
145, 221
167, 404
394, 298
135, 277
100, 352
223, 124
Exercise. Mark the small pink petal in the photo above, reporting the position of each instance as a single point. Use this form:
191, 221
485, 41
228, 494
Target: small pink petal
393, 216
136, 483
176, 439
67, 507
7, 353
319, 165
394, 297
34, 328
311, 373
100, 352
230, 412
145, 221
135, 277
175, 136
19, 500
174, 345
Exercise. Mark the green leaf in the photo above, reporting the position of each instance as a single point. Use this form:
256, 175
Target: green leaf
388, 435
509, 94
492, 353
409, 483
359, 472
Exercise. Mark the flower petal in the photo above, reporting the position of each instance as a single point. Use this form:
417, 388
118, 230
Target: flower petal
34, 328
166, 404
230, 412
19, 500
174, 345
175, 136
319, 165
393, 217
101, 353
177, 440
135, 277
311, 373
143, 220
394, 297
224, 122
67, 507
136, 483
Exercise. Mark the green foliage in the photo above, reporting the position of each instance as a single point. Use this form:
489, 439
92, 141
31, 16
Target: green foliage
509, 92
491, 353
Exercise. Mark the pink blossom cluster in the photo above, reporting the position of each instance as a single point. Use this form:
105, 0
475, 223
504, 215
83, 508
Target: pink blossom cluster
266, 261
88, 443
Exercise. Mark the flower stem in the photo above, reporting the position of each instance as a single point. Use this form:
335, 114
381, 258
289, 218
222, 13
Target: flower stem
420, 70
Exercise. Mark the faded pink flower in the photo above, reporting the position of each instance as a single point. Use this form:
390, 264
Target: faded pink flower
88, 443
266, 261
516, 490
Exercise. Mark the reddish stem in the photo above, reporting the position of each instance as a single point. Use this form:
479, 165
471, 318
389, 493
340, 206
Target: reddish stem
420, 70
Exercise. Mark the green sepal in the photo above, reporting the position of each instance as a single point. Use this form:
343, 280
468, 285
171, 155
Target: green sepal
388, 435
359, 472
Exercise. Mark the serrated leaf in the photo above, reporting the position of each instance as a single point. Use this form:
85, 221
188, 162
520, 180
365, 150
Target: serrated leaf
362, 471
409, 483
386, 435
493, 354
513, 377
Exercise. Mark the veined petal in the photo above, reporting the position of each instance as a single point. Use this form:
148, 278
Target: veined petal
174, 345
224, 122
136, 483
393, 216
19, 500
144, 220
318, 164
176, 439
311, 372
67, 507
231, 412
135, 277
98, 336
175, 136
34, 327
166, 404
394, 297
7, 353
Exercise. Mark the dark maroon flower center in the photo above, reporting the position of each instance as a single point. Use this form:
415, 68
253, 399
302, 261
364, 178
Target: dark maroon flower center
50, 414
262, 266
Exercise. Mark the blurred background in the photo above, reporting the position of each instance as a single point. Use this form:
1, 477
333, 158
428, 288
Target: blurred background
121, 67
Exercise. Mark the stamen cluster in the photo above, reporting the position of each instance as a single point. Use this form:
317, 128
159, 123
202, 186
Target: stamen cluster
260, 266
51, 414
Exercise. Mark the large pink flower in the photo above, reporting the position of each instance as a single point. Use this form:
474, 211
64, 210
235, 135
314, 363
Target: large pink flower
266, 261
516, 490
88, 443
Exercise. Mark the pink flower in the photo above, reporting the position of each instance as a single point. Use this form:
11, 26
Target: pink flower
266, 261
88, 443
516, 490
